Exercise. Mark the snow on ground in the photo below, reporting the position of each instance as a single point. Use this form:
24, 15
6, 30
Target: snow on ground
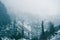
23, 39
5, 38
56, 37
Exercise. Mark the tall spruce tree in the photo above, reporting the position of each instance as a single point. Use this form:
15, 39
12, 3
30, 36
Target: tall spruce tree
4, 19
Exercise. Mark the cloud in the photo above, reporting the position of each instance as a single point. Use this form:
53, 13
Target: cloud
45, 9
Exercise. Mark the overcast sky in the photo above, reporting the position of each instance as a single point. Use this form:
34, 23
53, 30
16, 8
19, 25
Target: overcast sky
44, 9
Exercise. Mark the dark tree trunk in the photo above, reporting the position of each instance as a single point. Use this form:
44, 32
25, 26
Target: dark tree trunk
0, 38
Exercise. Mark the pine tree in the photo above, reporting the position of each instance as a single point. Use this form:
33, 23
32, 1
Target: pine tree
43, 35
4, 19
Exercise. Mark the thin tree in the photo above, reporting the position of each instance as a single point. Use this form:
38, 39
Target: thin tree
43, 36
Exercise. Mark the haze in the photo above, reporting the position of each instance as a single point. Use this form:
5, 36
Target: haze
43, 9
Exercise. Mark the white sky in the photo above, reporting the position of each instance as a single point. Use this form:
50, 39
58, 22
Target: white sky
45, 9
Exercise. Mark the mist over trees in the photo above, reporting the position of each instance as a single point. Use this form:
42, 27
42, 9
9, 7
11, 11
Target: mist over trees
4, 17
7, 25
12, 29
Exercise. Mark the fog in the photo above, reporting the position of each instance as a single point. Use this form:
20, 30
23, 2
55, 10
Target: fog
48, 10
